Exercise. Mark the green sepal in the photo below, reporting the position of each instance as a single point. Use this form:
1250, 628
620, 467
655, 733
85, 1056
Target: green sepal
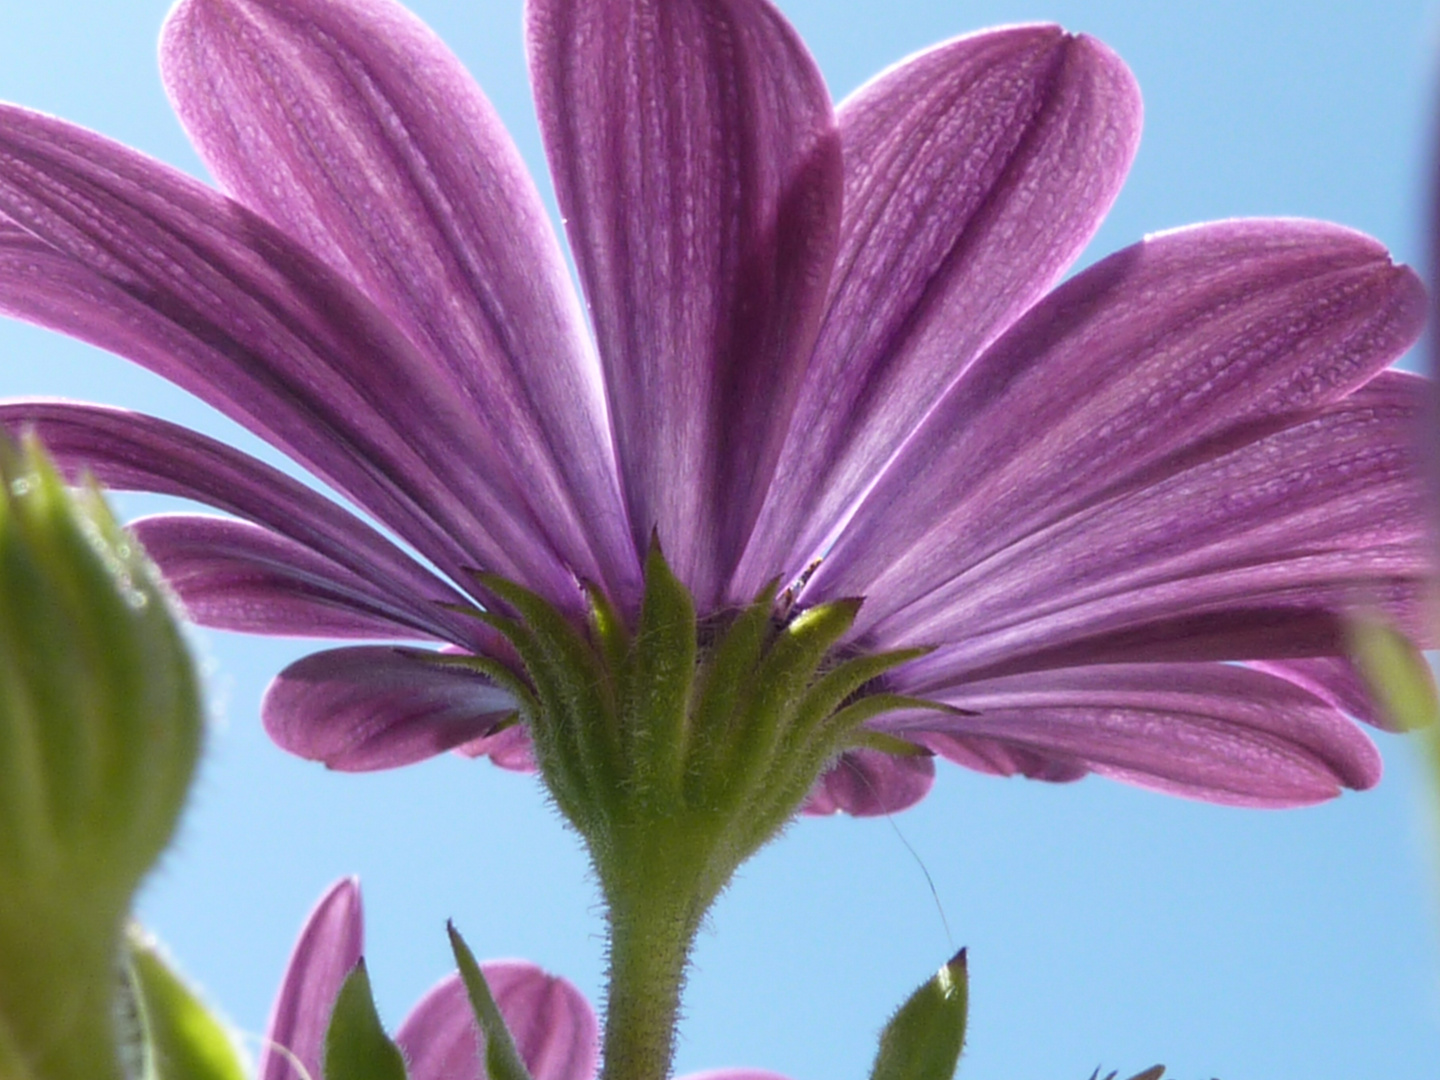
573, 685
1396, 674
1155, 1072
845, 724
562, 646
608, 627
885, 743
830, 691
659, 674
556, 748
356, 1046
502, 1059
725, 681
924, 1038
180, 1038
782, 679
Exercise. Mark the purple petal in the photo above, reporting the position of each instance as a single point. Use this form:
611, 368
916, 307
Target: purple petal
133, 452
975, 173
698, 171
510, 748
1216, 732
867, 783
1002, 759
1253, 551
328, 948
130, 255
350, 125
552, 1024
1333, 679
234, 576
1185, 340
371, 707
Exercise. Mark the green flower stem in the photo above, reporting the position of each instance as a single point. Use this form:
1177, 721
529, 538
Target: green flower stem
650, 942
677, 747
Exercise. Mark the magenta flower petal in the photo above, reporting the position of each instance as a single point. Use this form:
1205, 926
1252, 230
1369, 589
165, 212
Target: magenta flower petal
553, 1026
1242, 552
510, 749
133, 452
372, 707
348, 124
866, 783
1333, 679
135, 257
816, 336
1216, 732
1134, 364
234, 576
975, 173
328, 948
698, 169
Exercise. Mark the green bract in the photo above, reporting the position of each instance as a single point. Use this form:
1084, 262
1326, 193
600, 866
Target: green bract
677, 748
502, 1059
100, 728
177, 1037
924, 1038
356, 1046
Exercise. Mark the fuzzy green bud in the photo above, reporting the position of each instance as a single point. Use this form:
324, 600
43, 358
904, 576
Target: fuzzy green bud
100, 729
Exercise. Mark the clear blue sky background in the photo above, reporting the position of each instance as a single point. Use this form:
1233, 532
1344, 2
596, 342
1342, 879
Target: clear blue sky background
1107, 926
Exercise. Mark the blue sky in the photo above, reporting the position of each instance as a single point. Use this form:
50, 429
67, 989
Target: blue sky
1106, 925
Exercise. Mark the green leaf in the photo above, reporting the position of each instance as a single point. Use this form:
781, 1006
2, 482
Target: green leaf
502, 1060
924, 1039
12, 1061
1396, 674
183, 1040
356, 1046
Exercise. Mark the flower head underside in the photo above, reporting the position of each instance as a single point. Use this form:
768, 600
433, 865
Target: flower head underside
1123, 517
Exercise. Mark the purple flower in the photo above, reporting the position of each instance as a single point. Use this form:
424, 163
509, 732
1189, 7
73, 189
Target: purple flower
824, 345
551, 1022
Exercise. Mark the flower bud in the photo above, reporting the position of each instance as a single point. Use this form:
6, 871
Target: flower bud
100, 728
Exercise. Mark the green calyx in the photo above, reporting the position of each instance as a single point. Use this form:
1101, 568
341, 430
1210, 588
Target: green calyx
698, 739
678, 746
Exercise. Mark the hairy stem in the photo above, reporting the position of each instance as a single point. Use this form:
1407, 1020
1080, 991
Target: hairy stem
650, 941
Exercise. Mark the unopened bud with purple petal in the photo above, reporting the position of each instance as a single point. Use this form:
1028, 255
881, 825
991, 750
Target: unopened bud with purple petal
100, 729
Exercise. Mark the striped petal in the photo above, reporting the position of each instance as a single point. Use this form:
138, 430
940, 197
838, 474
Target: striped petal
975, 172
370, 707
231, 575
349, 124
129, 451
328, 948
131, 255
1215, 732
700, 182
1333, 679
1248, 551
867, 783
1160, 353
